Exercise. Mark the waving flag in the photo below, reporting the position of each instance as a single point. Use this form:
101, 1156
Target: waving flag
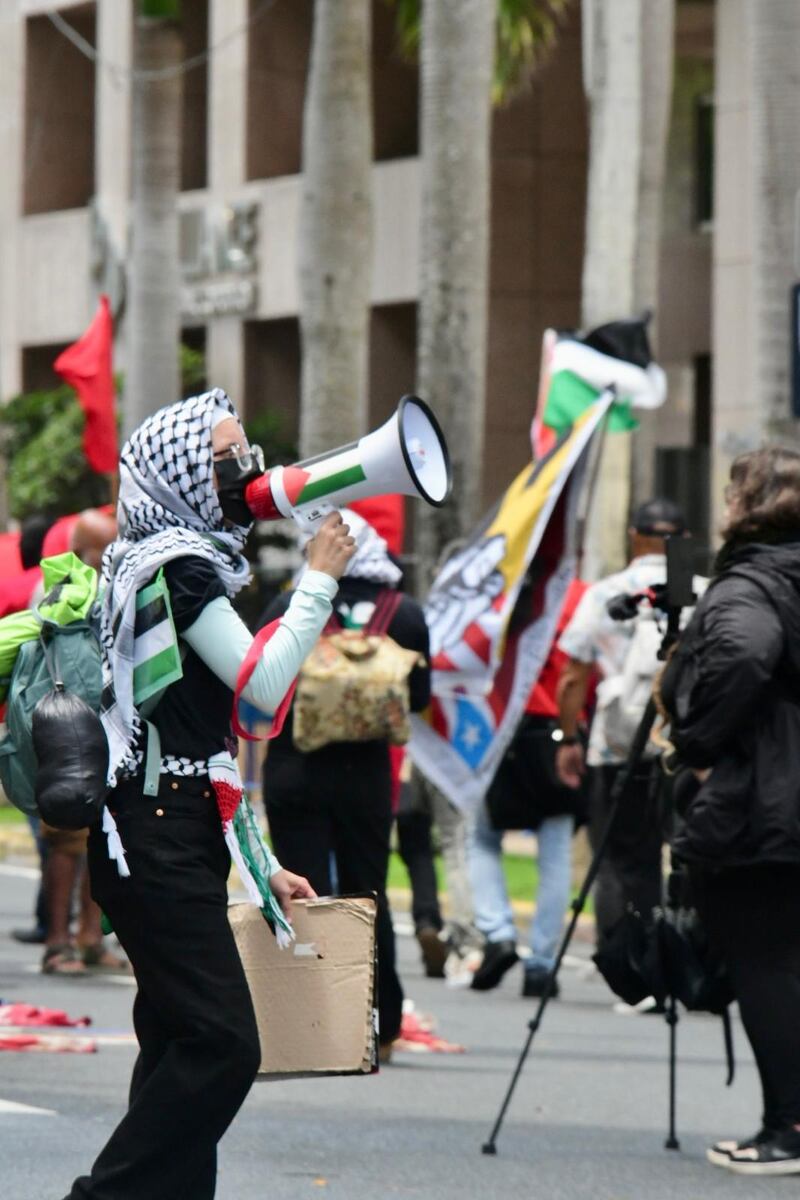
492, 613
86, 366
576, 368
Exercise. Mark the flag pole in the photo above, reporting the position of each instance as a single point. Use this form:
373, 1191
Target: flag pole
538, 446
590, 486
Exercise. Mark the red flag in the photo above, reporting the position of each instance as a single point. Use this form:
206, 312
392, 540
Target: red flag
86, 366
386, 515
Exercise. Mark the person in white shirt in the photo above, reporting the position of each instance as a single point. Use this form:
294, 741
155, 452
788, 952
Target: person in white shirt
630, 873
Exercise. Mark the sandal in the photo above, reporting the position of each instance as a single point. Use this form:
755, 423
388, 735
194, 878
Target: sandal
62, 960
97, 959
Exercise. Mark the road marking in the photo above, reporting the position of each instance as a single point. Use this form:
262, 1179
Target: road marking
20, 872
9, 1107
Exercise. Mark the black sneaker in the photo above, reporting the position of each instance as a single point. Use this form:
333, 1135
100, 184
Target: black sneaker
498, 957
30, 937
434, 951
780, 1155
535, 982
720, 1153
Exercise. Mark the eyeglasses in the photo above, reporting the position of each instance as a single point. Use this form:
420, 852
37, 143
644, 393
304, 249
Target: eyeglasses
248, 458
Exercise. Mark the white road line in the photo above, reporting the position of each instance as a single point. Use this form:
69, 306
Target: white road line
12, 1109
20, 872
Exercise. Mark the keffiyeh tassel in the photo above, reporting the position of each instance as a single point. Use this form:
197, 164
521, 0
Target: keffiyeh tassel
116, 850
252, 857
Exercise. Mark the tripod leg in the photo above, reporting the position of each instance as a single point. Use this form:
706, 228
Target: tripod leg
618, 794
672, 1142
578, 904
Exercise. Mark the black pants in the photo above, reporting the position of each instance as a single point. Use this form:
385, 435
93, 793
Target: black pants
199, 1049
752, 915
341, 814
630, 871
416, 851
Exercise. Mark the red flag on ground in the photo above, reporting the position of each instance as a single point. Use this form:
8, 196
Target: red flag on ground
86, 366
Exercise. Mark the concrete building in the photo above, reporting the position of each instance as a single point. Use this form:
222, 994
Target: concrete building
65, 146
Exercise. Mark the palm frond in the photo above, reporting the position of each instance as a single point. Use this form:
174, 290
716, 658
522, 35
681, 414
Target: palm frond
526, 32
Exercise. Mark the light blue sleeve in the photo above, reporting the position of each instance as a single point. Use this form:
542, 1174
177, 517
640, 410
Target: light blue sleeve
222, 640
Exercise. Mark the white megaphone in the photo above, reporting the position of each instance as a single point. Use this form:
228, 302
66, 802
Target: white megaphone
408, 454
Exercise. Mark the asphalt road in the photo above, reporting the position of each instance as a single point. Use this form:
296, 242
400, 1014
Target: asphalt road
587, 1122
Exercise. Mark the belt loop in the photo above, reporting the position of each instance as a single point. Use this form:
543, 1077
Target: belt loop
152, 765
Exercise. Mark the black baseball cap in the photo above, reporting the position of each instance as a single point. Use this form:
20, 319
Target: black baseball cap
658, 517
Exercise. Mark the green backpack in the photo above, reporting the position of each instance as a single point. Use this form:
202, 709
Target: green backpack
60, 638
63, 628
77, 651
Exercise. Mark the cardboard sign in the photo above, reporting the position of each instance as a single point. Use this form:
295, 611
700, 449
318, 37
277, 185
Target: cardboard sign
315, 1001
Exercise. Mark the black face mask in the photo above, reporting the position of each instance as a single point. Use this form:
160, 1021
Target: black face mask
233, 475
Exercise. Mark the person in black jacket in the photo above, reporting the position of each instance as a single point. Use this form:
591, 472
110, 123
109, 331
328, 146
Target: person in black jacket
733, 690
330, 809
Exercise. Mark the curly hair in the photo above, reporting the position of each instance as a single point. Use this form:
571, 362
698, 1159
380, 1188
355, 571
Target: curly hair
764, 496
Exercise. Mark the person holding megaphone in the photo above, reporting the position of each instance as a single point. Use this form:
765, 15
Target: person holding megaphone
173, 651
159, 865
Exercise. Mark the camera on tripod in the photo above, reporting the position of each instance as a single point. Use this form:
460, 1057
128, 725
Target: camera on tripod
669, 598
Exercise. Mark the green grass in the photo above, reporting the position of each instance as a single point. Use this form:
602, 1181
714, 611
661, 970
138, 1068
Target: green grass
522, 875
10, 815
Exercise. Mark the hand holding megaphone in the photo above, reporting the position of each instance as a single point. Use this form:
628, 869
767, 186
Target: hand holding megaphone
408, 454
331, 547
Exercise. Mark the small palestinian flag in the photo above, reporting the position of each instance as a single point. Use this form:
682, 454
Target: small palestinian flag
156, 653
245, 843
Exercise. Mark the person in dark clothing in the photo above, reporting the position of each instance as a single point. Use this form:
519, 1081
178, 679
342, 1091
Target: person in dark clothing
414, 825
733, 691
330, 809
160, 863
15, 595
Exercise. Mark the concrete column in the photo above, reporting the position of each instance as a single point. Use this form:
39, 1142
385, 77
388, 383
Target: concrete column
757, 179
227, 124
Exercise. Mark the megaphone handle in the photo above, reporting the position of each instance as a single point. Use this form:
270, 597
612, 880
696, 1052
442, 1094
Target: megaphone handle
310, 517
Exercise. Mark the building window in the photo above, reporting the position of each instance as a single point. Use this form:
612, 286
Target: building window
279, 50
59, 114
392, 358
277, 72
702, 400
194, 154
704, 161
272, 384
37, 367
193, 360
395, 90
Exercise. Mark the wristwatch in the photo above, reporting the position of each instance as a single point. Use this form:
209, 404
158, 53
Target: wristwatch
565, 739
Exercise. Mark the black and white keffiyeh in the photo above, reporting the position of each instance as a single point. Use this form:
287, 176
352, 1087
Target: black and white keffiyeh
371, 559
167, 508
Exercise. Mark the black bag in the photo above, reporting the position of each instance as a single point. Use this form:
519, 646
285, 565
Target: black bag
526, 789
622, 959
687, 966
71, 752
669, 957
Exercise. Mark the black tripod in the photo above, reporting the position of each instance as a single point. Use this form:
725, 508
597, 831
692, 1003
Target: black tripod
619, 793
